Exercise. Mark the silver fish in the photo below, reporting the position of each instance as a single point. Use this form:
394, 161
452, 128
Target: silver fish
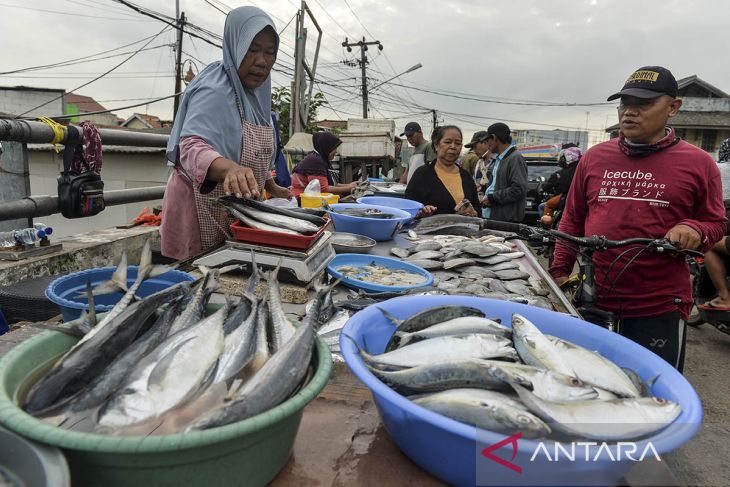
428, 245
239, 344
613, 420
544, 383
481, 249
276, 380
170, 375
254, 223
431, 316
261, 350
444, 349
282, 329
593, 368
278, 221
488, 410
536, 349
195, 309
457, 326
517, 288
511, 274
503, 266
441, 376
75, 370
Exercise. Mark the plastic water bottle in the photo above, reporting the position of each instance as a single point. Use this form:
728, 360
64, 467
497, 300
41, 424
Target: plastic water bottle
25, 236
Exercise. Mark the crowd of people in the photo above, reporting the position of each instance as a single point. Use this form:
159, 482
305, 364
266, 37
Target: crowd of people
645, 183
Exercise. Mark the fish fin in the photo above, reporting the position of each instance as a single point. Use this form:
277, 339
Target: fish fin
275, 273
229, 268
164, 364
360, 350
390, 317
92, 305
650, 383
119, 277
254, 266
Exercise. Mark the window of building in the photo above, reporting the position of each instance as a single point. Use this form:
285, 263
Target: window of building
708, 140
682, 133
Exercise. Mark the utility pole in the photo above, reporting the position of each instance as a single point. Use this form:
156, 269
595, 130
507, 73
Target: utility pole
178, 52
363, 44
434, 118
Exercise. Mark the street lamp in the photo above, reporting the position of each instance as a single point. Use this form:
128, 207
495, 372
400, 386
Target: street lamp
412, 68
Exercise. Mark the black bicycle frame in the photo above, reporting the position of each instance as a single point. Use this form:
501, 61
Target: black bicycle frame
585, 299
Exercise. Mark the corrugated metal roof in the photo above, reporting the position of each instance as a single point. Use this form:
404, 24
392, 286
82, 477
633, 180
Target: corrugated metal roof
119, 149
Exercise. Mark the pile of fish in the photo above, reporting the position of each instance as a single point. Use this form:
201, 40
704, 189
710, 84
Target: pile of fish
378, 274
484, 266
362, 212
455, 361
161, 365
291, 221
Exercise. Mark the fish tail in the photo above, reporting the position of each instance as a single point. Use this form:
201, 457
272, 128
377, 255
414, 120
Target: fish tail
390, 317
361, 350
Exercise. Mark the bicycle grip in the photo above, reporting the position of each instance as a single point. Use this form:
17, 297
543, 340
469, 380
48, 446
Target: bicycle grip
504, 226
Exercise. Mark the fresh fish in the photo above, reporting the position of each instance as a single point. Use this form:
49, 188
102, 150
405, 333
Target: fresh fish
276, 380
445, 349
435, 377
428, 245
495, 259
517, 288
538, 301
441, 220
261, 350
513, 255
445, 275
613, 420
476, 290
542, 382
488, 410
448, 285
364, 213
425, 255
464, 229
427, 264
254, 223
309, 211
503, 266
454, 263
511, 274
316, 219
281, 328
431, 316
478, 270
195, 309
593, 368
118, 281
88, 318
173, 373
240, 343
272, 218
412, 235
145, 270
536, 349
77, 368
457, 326
644, 388
99, 389
481, 249
452, 254
400, 252
255, 277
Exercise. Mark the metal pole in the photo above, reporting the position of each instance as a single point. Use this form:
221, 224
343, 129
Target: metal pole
35, 206
178, 61
363, 63
33, 132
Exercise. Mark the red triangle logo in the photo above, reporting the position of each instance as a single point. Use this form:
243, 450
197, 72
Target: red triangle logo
512, 440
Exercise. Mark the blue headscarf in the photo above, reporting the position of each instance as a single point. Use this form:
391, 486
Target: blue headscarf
208, 106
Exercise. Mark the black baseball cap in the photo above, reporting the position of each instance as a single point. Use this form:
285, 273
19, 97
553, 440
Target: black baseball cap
649, 82
499, 129
480, 136
411, 128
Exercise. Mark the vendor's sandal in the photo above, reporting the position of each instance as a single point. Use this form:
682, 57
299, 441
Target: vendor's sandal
708, 306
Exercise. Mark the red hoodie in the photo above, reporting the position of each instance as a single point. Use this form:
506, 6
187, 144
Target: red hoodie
620, 197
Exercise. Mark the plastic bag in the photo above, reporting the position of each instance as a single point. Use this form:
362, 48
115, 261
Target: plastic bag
292, 203
313, 188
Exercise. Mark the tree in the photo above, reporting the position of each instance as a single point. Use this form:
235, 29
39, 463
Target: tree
281, 103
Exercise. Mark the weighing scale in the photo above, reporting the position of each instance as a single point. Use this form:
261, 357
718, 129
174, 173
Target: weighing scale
297, 266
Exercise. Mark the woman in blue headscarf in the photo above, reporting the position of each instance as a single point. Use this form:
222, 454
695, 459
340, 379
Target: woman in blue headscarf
223, 140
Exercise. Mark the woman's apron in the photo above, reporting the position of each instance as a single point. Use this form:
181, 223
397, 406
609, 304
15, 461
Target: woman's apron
257, 151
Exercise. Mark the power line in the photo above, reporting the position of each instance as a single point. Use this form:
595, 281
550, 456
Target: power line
98, 77
148, 102
69, 13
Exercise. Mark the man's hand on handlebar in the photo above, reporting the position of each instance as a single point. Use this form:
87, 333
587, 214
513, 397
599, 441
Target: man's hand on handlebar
684, 236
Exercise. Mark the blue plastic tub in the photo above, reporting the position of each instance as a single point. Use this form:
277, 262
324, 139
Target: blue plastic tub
453, 451
64, 290
412, 207
358, 260
379, 229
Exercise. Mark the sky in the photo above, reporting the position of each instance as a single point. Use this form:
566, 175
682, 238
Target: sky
483, 61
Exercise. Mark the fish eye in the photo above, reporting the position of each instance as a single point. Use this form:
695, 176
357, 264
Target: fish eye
574, 381
659, 400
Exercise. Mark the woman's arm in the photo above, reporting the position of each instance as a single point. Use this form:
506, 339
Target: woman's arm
342, 188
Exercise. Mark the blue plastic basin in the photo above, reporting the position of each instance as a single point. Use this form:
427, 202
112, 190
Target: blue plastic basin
64, 290
379, 229
450, 450
412, 207
359, 260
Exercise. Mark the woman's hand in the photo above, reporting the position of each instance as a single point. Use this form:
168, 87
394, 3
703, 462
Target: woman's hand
276, 191
241, 182
427, 210
465, 208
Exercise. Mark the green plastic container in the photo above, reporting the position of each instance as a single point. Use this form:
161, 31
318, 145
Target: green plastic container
250, 452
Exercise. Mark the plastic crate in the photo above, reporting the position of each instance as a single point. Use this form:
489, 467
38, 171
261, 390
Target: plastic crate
242, 233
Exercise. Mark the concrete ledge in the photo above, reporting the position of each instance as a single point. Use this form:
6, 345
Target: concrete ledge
100, 248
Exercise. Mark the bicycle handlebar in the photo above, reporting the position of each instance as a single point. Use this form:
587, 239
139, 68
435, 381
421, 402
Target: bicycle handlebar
594, 242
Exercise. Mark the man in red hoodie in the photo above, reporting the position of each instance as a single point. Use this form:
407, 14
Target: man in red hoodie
645, 183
